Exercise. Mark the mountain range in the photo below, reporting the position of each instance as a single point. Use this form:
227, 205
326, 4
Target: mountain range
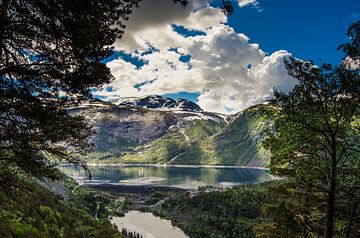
162, 130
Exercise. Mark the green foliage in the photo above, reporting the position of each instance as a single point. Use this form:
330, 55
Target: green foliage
241, 142
51, 48
316, 147
183, 147
238, 143
352, 48
218, 213
33, 211
154, 197
159, 151
130, 234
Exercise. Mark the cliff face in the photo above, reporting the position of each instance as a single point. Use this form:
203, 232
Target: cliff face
166, 131
241, 140
118, 128
158, 102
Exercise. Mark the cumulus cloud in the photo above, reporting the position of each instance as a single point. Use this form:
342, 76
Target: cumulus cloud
228, 71
243, 3
151, 23
163, 73
203, 18
253, 3
236, 74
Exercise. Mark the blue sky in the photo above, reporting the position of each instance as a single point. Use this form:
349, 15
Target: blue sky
225, 64
310, 29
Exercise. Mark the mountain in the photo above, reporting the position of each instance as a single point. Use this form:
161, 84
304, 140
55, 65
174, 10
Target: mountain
161, 130
241, 141
161, 103
237, 142
117, 128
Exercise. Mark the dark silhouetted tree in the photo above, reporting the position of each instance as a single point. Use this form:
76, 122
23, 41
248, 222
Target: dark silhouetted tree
352, 48
51, 52
316, 145
50, 58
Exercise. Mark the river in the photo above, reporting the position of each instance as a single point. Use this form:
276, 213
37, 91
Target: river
149, 226
185, 177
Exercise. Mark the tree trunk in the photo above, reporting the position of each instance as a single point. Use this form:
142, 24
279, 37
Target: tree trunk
331, 201
306, 218
3, 18
352, 213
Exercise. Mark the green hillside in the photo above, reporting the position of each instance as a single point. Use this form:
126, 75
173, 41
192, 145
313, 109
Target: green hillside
30, 210
240, 142
201, 141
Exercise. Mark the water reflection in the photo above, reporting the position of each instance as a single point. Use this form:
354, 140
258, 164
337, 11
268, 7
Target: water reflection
183, 177
147, 225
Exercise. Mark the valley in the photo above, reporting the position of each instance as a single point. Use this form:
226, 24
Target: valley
158, 130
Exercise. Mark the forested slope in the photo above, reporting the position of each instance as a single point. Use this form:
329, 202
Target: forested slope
32, 210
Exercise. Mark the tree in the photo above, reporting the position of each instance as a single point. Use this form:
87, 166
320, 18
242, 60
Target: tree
352, 48
51, 54
317, 140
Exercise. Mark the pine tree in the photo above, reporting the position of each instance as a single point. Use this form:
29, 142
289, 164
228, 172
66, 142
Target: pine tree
51, 53
316, 145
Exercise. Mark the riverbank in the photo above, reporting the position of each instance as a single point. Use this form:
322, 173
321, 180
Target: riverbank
133, 189
204, 214
176, 166
147, 225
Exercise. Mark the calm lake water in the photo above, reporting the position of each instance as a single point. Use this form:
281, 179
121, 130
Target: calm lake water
147, 225
180, 177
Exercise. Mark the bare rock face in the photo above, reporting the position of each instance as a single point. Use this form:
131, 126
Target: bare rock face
155, 128
118, 128
161, 103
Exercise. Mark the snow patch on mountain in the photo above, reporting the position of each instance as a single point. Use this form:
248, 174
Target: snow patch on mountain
159, 103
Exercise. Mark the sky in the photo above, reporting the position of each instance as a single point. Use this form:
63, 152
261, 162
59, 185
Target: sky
223, 63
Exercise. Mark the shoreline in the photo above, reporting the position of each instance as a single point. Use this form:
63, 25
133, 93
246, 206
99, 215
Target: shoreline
173, 166
134, 189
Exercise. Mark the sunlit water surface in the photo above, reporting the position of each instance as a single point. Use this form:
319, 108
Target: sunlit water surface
180, 177
148, 225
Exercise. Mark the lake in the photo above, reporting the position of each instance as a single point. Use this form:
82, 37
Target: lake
147, 225
185, 177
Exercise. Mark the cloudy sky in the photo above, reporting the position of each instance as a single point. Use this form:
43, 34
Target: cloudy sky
225, 64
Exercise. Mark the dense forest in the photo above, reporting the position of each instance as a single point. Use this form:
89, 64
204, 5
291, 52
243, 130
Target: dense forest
316, 146
315, 149
52, 55
34, 210
215, 212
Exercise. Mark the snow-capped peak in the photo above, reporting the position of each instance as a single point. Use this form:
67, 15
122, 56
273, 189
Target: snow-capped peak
161, 103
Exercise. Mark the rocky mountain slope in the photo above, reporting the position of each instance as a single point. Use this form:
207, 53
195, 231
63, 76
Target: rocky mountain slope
161, 130
240, 142
158, 103
118, 128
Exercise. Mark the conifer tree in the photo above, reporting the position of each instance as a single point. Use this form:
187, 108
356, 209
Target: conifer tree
316, 145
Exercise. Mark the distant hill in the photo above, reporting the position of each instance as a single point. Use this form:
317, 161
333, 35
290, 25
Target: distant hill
161, 130
158, 102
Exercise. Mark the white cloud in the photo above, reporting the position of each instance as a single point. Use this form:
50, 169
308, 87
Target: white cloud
164, 73
203, 18
152, 21
236, 74
253, 3
230, 72
243, 3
